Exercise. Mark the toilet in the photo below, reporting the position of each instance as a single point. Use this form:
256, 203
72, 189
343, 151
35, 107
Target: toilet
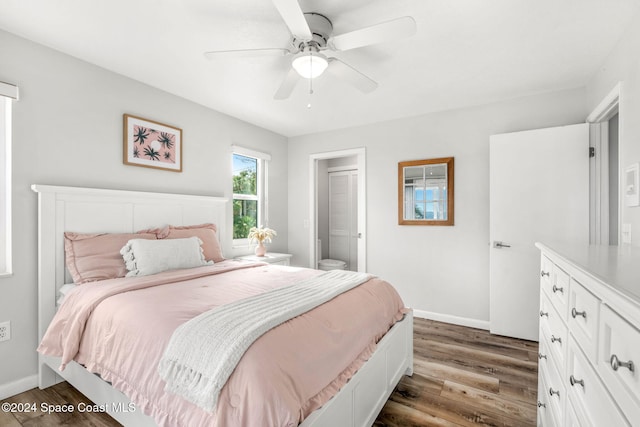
331, 264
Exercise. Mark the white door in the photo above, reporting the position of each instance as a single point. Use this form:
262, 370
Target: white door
343, 217
353, 230
539, 191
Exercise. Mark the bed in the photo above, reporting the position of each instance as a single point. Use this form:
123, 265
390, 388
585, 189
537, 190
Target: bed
83, 210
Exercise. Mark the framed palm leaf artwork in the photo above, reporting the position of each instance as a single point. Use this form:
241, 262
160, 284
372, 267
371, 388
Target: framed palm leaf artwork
151, 144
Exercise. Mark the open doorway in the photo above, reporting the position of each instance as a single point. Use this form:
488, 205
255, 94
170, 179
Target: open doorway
338, 210
604, 171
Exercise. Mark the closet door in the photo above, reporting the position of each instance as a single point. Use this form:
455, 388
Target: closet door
353, 241
339, 220
343, 217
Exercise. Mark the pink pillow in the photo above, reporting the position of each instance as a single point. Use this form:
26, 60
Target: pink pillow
92, 257
206, 233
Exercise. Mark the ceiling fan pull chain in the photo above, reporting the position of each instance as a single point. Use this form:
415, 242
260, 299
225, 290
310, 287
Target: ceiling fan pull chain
310, 92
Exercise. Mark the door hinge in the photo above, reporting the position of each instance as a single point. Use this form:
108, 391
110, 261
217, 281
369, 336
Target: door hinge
592, 151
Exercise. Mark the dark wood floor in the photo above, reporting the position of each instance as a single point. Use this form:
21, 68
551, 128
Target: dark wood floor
462, 377
465, 377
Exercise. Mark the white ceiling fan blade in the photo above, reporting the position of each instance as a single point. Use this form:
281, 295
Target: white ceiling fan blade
351, 75
269, 51
294, 18
288, 84
379, 33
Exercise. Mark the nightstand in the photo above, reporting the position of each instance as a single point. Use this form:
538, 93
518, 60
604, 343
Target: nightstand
270, 257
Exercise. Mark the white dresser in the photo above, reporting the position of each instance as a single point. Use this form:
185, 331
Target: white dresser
589, 356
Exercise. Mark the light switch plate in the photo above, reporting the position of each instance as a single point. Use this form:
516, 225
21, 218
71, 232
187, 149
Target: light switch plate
626, 233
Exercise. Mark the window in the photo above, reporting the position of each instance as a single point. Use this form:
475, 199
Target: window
7, 94
249, 192
429, 198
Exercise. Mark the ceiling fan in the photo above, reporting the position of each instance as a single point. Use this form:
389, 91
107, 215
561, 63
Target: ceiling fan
312, 39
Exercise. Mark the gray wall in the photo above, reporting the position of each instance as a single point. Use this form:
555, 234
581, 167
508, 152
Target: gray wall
67, 130
438, 270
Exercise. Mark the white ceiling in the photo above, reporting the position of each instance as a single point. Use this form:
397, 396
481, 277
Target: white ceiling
465, 52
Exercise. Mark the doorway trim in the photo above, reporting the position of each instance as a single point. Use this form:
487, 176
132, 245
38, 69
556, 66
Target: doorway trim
360, 154
599, 166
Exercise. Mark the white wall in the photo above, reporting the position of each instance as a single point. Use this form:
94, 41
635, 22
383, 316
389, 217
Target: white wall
442, 270
67, 130
623, 65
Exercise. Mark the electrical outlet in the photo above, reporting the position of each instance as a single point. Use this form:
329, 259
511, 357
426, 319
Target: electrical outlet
5, 331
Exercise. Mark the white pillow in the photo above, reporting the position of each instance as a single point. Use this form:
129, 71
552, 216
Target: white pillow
144, 257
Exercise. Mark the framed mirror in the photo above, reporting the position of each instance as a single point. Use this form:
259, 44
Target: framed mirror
425, 192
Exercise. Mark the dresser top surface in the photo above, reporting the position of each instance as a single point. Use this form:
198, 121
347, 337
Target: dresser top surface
616, 266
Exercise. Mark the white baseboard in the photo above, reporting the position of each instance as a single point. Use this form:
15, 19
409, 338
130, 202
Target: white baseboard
18, 386
447, 318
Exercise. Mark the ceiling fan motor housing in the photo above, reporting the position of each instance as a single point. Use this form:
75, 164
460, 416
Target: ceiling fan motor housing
321, 29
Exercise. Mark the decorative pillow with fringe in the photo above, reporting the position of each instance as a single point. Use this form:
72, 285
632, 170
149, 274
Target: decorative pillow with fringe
91, 257
208, 233
146, 257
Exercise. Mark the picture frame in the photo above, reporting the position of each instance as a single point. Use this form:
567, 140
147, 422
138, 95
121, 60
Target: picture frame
151, 144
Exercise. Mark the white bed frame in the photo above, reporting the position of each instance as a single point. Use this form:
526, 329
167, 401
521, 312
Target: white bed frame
86, 210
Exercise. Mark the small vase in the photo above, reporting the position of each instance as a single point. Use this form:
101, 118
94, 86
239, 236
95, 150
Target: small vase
261, 250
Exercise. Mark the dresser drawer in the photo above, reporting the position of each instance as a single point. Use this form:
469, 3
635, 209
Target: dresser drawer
546, 268
544, 357
618, 359
584, 310
545, 412
559, 290
555, 282
571, 418
594, 406
553, 335
554, 393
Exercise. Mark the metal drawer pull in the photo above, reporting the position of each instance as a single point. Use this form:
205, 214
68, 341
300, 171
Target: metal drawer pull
575, 313
542, 356
542, 405
554, 339
574, 381
616, 363
544, 273
542, 314
552, 392
557, 289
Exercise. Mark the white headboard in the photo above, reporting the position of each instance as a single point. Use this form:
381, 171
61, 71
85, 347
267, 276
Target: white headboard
92, 210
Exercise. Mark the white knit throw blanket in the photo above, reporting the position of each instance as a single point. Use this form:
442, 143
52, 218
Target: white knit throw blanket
204, 351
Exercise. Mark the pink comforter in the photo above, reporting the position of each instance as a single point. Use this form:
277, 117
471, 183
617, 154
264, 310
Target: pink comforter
119, 328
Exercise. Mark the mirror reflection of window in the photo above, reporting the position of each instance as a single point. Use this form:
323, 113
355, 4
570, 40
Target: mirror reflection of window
425, 190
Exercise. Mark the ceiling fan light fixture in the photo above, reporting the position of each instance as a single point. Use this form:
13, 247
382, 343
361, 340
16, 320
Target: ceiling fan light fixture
310, 64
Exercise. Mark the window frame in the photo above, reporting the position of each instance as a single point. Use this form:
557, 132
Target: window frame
262, 165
